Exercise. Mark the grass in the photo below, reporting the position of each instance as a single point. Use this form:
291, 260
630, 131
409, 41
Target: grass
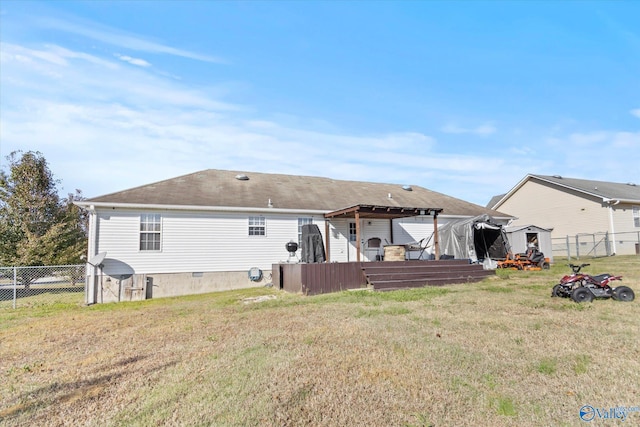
501, 352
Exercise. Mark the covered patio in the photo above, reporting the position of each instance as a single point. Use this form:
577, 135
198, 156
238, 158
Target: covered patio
362, 211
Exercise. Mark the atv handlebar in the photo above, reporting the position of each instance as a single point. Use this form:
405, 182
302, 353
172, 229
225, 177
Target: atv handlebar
576, 268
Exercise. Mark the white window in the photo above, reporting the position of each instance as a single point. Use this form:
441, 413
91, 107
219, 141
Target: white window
257, 226
301, 222
150, 232
352, 232
636, 216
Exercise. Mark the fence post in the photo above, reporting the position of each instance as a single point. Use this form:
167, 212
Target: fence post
577, 247
568, 248
15, 286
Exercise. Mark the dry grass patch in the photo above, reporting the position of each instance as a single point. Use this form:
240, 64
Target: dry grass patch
500, 352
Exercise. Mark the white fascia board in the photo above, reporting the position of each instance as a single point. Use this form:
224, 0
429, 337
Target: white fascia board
626, 201
88, 205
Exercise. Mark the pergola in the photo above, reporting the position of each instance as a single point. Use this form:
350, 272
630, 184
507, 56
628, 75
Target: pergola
382, 212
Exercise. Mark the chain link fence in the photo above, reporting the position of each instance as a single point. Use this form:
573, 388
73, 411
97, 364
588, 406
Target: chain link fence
42, 285
596, 245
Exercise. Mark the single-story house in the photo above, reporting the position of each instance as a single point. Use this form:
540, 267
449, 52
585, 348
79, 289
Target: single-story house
573, 207
220, 229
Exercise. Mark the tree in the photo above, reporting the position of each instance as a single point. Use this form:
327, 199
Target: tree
37, 227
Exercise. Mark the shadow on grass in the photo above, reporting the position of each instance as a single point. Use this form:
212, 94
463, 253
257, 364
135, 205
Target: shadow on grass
57, 393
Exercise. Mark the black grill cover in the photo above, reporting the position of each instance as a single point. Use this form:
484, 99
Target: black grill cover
312, 248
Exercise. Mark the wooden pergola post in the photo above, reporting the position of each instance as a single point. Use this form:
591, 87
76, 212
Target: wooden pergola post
436, 242
358, 236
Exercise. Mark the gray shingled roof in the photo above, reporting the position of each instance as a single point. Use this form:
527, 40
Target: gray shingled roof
494, 200
220, 188
604, 189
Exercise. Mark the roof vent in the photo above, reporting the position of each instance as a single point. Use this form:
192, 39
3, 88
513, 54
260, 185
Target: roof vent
557, 176
407, 188
242, 177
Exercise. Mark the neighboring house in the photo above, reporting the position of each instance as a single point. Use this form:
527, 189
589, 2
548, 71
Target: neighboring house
214, 229
576, 206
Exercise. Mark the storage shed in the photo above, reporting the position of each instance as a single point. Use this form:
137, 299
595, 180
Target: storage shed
521, 236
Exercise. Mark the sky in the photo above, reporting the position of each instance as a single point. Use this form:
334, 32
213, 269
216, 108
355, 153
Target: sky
461, 97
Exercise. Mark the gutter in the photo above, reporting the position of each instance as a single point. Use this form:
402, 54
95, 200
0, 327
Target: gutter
93, 205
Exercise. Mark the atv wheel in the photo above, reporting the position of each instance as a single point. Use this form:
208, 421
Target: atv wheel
555, 292
582, 294
623, 293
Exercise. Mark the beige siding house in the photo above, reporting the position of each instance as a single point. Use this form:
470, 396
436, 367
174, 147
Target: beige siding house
577, 206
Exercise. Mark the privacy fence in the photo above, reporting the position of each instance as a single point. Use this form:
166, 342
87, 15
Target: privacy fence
32, 286
596, 245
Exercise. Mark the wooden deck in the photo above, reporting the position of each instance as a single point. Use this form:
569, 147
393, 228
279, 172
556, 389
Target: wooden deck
314, 279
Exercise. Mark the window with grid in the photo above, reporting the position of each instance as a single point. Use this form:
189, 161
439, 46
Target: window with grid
150, 232
257, 226
352, 232
636, 216
301, 222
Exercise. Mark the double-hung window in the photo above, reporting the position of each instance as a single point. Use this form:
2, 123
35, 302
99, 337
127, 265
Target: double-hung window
636, 216
257, 226
150, 232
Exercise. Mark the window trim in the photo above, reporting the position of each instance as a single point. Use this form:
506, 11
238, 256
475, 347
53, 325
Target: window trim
635, 213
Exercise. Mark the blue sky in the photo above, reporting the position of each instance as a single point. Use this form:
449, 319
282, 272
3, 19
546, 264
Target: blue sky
464, 98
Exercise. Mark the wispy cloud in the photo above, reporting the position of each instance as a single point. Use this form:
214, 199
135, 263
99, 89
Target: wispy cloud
115, 37
635, 112
133, 61
129, 119
482, 130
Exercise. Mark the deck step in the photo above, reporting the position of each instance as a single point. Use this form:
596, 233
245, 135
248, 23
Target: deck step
406, 275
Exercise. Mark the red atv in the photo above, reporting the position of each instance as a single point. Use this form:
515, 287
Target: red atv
582, 287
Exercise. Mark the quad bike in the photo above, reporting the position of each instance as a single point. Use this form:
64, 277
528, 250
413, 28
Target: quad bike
582, 287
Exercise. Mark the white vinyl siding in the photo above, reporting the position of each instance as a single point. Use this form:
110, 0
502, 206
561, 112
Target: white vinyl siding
194, 242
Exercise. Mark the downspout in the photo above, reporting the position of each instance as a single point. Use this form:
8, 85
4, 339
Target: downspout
612, 203
90, 283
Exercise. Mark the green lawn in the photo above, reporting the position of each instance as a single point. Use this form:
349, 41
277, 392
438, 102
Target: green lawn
501, 352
